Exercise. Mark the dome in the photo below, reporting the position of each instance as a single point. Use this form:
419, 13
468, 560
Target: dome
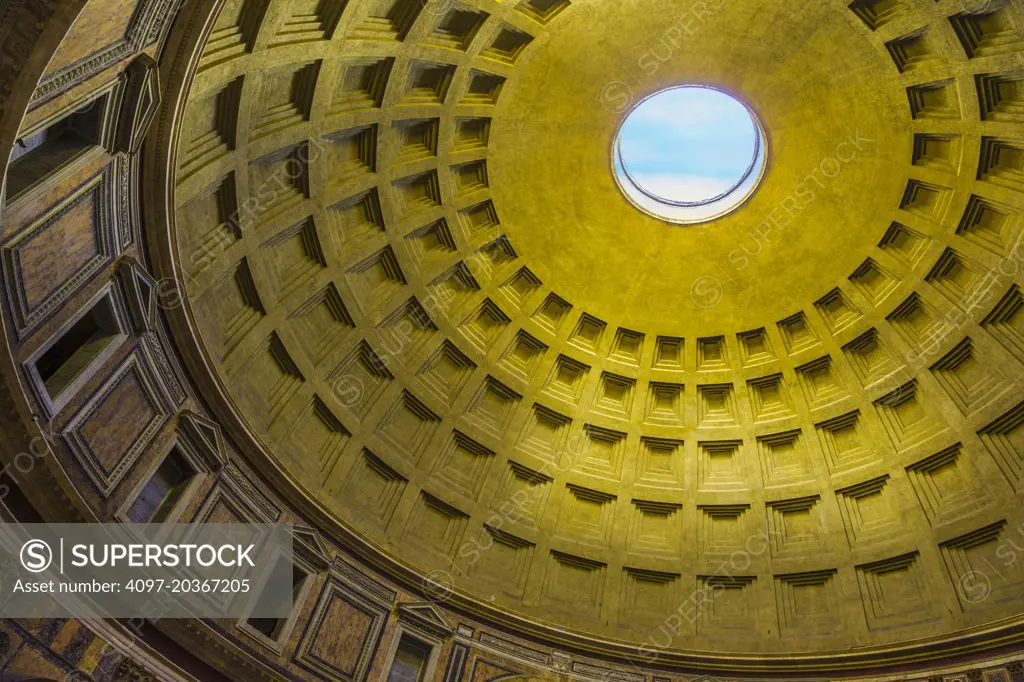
390, 261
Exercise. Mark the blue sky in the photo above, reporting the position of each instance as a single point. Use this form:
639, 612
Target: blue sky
688, 144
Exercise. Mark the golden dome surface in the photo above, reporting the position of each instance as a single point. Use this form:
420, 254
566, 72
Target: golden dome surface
793, 429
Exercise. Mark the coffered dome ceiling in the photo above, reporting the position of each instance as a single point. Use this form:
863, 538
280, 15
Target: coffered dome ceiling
410, 275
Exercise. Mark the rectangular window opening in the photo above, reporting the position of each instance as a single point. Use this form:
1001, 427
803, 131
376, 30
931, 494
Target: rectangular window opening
163, 490
39, 155
77, 347
272, 628
410, 662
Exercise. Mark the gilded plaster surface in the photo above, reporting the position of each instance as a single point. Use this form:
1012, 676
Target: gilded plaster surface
794, 429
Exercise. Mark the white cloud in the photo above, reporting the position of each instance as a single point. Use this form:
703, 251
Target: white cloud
681, 187
695, 111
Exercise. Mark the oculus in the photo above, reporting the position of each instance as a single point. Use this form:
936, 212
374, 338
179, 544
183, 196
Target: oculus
689, 154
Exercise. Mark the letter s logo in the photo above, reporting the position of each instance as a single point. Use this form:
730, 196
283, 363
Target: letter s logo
36, 556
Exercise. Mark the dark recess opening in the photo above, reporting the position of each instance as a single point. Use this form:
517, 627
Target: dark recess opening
37, 156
